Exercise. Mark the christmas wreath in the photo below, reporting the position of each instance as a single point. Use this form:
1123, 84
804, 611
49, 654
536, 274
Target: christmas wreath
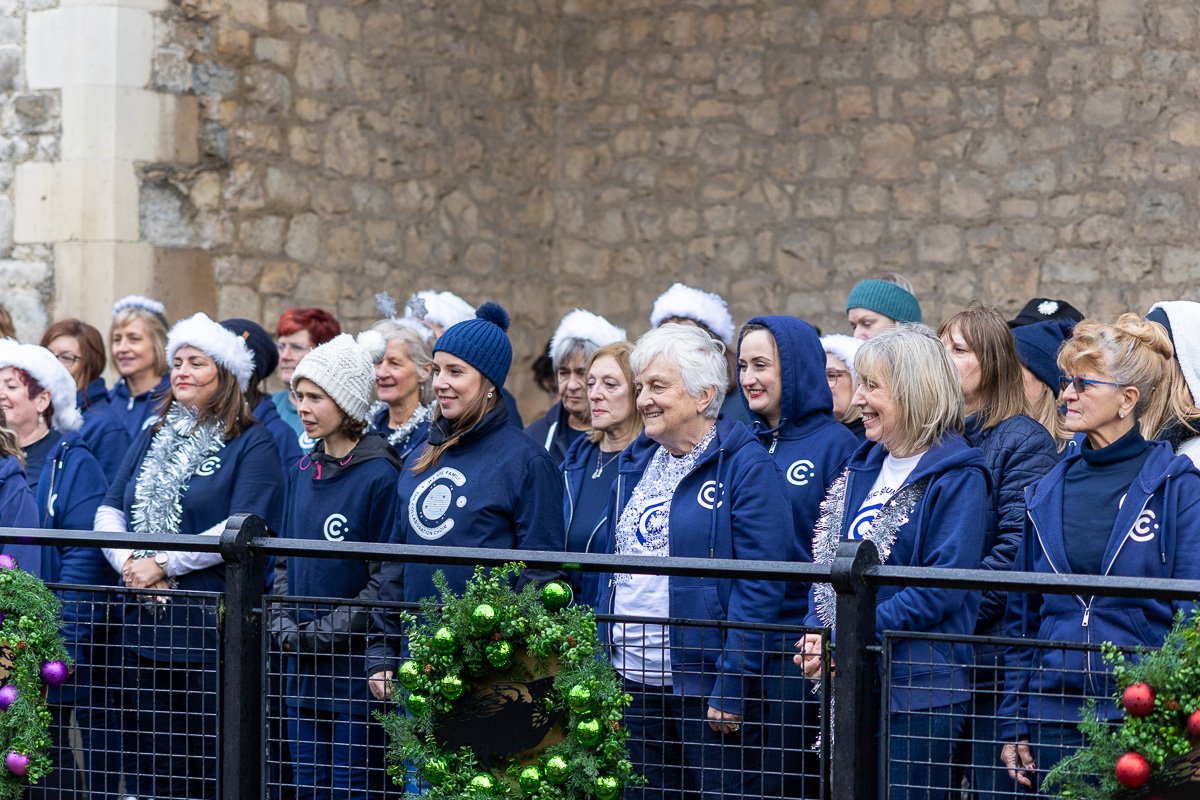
1153, 751
505, 697
32, 657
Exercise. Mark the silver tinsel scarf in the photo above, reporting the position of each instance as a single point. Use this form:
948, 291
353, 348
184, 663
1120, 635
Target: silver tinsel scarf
399, 437
176, 452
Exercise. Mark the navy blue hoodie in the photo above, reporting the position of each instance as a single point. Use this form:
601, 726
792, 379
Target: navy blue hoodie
102, 431
580, 462
1156, 535
245, 477
18, 507
945, 528
554, 433
285, 438
330, 500
495, 488
726, 507
809, 444
133, 412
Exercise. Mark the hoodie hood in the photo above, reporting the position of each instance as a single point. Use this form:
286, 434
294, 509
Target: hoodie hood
369, 448
807, 403
10, 467
951, 453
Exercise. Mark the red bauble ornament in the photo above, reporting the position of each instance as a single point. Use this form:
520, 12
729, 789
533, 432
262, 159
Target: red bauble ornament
1194, 724
1138, 699
1132, 770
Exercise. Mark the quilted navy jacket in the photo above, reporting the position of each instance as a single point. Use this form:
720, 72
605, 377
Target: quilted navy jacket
1018, 453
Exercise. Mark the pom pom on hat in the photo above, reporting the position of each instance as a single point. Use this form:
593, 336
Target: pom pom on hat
585, 326
688, 303
50, 374
222, 345
344, 368
482, 342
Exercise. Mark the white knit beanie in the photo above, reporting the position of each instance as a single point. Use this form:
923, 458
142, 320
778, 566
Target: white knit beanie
45, 368
344, 368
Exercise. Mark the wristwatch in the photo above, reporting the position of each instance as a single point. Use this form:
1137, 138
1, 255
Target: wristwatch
161, 559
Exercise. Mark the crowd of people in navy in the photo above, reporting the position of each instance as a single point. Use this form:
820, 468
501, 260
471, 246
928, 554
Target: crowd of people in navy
1047, 443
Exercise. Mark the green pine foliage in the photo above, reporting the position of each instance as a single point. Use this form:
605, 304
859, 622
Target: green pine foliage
1161, 736
29, 637
565, 638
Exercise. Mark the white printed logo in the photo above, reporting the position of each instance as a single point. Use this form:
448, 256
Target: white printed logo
306, 442
860, 528
429, 504
148, 421
208, 466
335, 528
801, 472
1144, 527
708, 495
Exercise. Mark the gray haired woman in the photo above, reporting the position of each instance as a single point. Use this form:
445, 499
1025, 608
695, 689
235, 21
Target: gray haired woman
405, 404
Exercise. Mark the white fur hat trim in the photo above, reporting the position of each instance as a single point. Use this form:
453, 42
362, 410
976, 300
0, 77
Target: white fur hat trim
48, 371
1185, 333
839, 345
585, 325
442, 308
137, 301
216, 341
688, 303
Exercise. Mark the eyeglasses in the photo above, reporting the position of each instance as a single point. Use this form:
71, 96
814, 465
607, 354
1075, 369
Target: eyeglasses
1081, 384
832, 375
294, 349
68, 359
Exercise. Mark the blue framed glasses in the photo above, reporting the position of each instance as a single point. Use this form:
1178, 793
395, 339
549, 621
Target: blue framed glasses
1081, 384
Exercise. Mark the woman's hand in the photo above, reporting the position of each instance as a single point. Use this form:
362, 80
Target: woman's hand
722, 722
381, 684
809, 657
1009, 755
143, 573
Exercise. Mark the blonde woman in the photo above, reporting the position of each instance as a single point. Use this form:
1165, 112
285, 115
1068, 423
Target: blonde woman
139, 350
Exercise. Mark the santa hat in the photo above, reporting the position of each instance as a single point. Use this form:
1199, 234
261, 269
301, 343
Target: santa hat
222, 345
49, 373
584, 326
441, 308
137, 301
1181, 318
703, 307
843, 347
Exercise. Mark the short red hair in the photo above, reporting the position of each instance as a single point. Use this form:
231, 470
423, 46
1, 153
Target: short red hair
321, 325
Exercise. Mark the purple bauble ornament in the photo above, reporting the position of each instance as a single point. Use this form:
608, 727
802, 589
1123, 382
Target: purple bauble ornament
17, 763
8, 562
55, 673
8, 696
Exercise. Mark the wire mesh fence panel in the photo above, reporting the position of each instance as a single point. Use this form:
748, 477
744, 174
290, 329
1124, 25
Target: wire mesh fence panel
139, 715
952, 707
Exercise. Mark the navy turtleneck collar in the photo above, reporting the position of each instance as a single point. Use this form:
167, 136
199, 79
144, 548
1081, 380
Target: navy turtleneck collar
1131, 445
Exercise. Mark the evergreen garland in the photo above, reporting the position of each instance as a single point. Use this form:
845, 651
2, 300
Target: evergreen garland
29, 636
1160, 692
465, 638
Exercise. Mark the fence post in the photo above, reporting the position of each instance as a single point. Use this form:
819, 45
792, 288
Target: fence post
855, 756
241, 701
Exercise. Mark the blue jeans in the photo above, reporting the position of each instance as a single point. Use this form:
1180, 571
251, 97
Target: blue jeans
672, 746
336, 755
920, 747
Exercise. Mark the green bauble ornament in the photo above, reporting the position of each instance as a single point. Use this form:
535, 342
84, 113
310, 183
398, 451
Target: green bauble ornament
482, 784
483, 618
409, 674
530, 780
452, 687
607, 787
435, 771
557, 769
556, 595
444, 641
580, 699
588, 732
417, 704
499, 654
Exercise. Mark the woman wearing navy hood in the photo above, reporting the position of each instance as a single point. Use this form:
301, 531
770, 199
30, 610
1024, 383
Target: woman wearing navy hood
203, 461
919, 491
139, 339
477, 482
80, 348
781, 368
343, 491
1117, 505
696, 486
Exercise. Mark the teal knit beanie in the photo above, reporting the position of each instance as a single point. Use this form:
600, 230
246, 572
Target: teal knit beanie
885, 298
481, 342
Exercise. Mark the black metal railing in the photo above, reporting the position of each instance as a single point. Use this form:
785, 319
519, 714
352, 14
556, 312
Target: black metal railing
854, 738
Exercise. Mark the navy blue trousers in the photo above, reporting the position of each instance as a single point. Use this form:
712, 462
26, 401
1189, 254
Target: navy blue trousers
920, 749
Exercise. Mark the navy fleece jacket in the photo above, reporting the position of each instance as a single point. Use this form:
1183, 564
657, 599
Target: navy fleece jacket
133, 412
809, 444
1156, 535
726, 507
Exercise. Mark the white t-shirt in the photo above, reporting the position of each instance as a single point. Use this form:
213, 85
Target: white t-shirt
893, 475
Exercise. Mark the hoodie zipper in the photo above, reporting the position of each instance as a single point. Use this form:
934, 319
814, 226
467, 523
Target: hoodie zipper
571, 515
774, 442
1087, 607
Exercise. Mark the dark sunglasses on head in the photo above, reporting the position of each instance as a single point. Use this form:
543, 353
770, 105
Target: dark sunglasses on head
1081, 384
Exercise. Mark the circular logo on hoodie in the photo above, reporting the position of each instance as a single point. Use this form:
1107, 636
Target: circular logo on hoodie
335, 528
708, 495
429, 504
1144, 527
208, 466
800, 472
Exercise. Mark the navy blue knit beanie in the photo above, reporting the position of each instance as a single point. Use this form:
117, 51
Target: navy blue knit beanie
481, 342
1038, 345
885, 298
259, 342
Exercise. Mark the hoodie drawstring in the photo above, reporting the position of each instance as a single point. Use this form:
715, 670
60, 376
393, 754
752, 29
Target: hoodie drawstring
720, 490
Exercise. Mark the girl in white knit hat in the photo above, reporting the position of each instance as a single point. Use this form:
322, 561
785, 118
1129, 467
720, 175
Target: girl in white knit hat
343, 491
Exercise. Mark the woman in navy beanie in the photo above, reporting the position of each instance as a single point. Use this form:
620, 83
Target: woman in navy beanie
1037, 349
477, 482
